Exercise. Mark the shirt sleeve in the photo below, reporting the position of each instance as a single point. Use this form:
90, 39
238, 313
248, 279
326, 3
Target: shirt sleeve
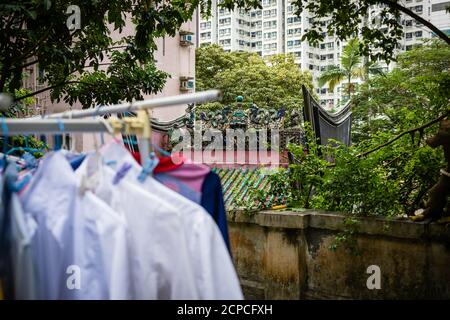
213, 202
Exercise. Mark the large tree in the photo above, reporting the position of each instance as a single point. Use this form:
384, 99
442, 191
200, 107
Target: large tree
414, 92
38, 32
272, 82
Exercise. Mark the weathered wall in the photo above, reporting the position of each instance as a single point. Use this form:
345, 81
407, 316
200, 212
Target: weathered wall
286, 255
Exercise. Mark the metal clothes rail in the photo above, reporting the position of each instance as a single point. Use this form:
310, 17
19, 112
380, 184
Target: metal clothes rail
198, 97
141, 107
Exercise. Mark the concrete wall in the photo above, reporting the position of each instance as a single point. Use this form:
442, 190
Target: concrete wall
286, 255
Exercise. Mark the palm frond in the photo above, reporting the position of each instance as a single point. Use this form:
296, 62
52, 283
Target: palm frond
351, 56
332, 75
375, 69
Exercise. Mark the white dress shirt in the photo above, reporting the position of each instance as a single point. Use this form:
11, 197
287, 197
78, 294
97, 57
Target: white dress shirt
160, 261
215, 275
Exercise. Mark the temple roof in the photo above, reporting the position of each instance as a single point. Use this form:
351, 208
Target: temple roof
237, 182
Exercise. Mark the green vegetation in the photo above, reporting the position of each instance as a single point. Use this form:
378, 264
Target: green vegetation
351, 67
85, 63
364, 179
272, 83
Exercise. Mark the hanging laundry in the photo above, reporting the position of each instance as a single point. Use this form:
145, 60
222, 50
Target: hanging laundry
100, 226
76, 233
160, 262
23, 229
6, 273
212, 201
213, 267
190, 174
197, 183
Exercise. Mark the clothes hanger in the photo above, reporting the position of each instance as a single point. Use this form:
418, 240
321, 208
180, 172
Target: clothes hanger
163, 152
93, 175
10, 172
4, 159
28, 158
149, 162
148, 167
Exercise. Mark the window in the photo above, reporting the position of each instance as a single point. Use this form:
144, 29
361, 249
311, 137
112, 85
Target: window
268, 3
223, 12
41, 75
270, 35
408, 35
256, 24
225, 42
270, 46
408, 23
270, 24
417, 9
418, 34
224, 21
225, 32
205, 35
205, 25
291, 20
440, 6
295, 31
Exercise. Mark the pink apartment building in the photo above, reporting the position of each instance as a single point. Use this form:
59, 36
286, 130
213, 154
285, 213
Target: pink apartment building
175, 56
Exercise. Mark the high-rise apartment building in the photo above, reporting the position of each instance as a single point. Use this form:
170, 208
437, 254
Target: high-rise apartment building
276, 29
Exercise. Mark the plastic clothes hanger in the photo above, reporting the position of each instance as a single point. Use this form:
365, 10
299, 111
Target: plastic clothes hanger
10, 171
5, 129
148, 167
28, 158
93, 175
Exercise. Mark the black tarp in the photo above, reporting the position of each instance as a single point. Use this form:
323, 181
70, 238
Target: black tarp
327, 125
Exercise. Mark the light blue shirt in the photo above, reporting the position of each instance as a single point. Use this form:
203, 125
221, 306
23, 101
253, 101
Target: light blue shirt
68, 244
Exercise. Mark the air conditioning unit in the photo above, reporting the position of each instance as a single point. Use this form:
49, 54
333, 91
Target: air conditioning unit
186, 38
187, 83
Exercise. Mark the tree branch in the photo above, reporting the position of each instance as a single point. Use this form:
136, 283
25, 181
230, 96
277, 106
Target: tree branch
49, 88
426, 125
25, 65
432, 27
30, 51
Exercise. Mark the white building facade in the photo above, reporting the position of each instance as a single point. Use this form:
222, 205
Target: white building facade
275, 29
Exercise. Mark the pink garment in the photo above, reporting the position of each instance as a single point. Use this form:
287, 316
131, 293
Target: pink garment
191, 174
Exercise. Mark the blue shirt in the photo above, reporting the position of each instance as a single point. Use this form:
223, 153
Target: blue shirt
212, 201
